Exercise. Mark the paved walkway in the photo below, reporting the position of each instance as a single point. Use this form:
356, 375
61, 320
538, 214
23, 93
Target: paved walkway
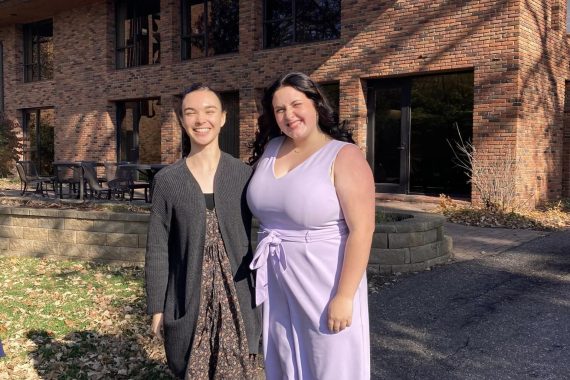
500, 311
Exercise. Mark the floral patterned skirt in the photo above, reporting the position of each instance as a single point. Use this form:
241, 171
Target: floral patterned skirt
220, 349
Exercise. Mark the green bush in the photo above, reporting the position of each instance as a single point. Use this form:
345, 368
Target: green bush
10, 146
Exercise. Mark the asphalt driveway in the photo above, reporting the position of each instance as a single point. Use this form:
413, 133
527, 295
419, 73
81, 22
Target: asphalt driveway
499, 313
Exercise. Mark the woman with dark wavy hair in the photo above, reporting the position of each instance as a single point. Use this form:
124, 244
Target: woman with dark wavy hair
313, 193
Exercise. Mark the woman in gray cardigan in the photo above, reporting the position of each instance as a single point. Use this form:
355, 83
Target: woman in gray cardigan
198, 283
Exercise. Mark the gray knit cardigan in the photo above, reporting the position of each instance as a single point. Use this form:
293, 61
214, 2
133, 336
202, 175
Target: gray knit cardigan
175, 245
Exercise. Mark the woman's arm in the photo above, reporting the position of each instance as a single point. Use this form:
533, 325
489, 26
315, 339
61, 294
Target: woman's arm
354, 185
156, 258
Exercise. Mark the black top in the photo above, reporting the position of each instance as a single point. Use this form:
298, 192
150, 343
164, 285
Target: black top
209, 197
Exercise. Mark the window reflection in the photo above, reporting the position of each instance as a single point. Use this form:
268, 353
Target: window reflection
296, 21
38, 51
138, 33
39, 138
209, 27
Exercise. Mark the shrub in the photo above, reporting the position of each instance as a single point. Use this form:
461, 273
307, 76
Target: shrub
10, 146
494, 180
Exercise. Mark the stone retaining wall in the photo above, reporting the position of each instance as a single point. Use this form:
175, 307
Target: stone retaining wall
86, 235
408, 245
411, 244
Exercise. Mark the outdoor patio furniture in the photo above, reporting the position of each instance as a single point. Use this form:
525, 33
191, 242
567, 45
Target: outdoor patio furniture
67, 174
149, 170
129, 173
119, 186
29, 176
115, 187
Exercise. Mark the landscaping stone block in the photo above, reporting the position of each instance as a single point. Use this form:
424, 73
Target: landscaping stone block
63, 236
79, 224
389, 256
52, 223
108, 226
130, 254
5, 220
20, 211
44, 213
11, 232
49, 248
425, 252
411, 239
25, 221
380, 240
136, 228
91, 238
21, 245
35, 233
123, 240
4, 244
94, 251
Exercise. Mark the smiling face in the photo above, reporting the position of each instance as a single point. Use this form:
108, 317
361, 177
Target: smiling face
295, 113
202, 117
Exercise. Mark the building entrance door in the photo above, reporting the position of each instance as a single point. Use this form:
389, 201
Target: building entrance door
414, 125
388, 135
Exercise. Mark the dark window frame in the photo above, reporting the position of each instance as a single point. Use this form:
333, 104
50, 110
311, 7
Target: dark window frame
138, 111
139, 37
186, 35
293, 19
33, 40
45, 168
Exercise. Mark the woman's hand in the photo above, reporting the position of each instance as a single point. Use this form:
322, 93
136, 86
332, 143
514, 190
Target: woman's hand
156, 325
340, 313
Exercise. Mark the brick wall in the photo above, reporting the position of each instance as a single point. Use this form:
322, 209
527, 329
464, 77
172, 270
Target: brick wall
516, 50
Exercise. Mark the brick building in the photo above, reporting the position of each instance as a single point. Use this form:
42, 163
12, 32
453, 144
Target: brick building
98, 79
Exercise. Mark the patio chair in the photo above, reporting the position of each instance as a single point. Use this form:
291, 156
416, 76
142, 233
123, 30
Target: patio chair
66, 176
29, 176
94, 164
95, 188
130, 175
118, 186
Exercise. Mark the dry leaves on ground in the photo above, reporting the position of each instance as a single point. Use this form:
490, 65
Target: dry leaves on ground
550, 216
70, 320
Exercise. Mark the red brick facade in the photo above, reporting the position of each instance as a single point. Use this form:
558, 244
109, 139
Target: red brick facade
517, 50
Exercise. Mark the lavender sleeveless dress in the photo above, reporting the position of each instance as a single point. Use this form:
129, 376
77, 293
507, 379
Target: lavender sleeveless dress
298, 260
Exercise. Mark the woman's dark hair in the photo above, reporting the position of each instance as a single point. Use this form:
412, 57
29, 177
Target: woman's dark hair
267, 125
192, 88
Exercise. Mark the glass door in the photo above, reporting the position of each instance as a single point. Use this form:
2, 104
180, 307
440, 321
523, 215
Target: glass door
388, 131
139, 131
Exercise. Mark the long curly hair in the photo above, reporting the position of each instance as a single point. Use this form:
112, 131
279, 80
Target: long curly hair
267, 125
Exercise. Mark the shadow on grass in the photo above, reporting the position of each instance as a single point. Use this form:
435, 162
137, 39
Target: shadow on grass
90, 355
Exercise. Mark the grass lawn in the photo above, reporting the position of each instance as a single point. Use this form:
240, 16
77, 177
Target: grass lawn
75, 320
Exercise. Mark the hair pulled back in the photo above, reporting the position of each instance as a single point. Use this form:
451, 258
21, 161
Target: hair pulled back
193, 87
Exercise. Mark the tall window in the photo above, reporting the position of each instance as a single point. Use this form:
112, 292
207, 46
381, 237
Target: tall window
138, 32
289, 22
138, 135
38, 51
39, 138
209, 27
